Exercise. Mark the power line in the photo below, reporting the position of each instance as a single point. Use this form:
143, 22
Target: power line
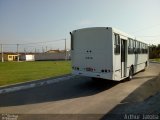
43, 42
36, 42
9, 44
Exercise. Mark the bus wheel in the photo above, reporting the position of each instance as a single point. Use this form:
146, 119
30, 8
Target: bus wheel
130, 74
145, 66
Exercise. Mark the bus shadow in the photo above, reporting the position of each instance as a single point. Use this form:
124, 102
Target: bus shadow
141, 77
136, 77
69, 89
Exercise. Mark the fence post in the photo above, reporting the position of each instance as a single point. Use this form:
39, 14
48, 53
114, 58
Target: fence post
65, 50
17, 52
2, 57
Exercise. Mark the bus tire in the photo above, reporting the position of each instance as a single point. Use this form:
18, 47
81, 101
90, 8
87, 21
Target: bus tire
146, 64
130, 77
145, 67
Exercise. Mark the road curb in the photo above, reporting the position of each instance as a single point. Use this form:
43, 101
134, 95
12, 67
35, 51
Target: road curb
154, 62
32, 84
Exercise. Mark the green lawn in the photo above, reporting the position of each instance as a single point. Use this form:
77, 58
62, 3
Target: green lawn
15, 72
156, 59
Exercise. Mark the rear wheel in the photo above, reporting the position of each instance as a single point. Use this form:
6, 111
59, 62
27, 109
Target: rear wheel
130, 77
146, 64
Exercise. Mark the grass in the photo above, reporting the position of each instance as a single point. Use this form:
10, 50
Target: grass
156, 59
16, 72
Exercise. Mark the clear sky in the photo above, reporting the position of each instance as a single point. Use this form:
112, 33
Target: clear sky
27, 21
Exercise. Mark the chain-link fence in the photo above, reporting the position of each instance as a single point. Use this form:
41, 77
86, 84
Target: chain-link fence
45, 50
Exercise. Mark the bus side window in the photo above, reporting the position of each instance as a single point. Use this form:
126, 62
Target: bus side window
116, 44
140, 47
143, 48
134, 46
131, 46
146, 49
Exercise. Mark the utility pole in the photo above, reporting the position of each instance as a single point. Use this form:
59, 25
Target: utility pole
25, 51
17, 52
46, 49
2, 58
65, 50
42, 50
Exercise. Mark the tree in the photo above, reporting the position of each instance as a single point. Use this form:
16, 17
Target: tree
154, 51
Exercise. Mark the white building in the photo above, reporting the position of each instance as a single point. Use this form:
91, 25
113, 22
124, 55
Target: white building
27, 57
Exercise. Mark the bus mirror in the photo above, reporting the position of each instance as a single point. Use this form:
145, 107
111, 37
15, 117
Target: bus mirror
71, 41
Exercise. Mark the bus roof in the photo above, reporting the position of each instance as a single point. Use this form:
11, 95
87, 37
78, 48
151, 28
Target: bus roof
114, 30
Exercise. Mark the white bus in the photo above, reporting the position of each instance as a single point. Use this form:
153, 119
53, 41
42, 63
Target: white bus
107, 53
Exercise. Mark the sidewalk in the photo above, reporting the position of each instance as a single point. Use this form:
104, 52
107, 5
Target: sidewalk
154, 61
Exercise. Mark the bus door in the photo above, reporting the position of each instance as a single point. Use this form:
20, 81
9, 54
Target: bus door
123, 57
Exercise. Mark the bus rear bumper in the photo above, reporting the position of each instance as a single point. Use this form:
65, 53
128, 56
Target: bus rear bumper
94, 74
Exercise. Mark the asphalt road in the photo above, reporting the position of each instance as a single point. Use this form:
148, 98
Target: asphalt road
79, 95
